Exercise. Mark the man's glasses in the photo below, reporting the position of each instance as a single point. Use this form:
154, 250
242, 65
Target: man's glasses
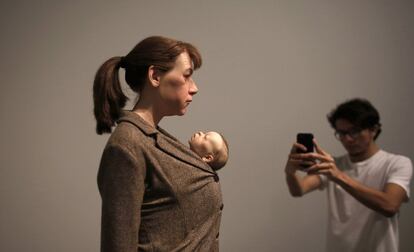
353, 133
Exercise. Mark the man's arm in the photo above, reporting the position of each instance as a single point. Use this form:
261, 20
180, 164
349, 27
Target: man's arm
386, 201
299, 186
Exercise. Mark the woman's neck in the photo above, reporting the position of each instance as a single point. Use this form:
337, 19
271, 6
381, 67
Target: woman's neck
148, 112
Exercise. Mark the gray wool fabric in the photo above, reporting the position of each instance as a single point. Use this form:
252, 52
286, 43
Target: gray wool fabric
157, 195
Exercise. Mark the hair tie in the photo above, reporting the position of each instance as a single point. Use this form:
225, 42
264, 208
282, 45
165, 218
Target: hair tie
123, 63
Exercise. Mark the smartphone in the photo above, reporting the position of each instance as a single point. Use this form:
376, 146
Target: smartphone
306, 139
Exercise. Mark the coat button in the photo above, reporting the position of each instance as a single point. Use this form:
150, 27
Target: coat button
216, 178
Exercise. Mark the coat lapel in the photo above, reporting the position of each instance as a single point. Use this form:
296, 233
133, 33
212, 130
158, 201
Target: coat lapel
173, 147
166, 142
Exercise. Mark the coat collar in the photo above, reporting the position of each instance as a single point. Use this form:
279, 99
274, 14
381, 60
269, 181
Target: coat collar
139, 122
166, 142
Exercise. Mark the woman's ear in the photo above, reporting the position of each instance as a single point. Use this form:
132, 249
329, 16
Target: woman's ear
208, 158
154, 76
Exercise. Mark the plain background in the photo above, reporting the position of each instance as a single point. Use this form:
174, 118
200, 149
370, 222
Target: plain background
271, 69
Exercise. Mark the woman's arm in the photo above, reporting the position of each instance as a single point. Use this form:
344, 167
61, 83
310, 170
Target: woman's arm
121, 185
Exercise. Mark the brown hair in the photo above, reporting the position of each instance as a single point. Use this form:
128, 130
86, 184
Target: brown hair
157, 51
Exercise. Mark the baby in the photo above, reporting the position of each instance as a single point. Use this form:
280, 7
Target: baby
211, 147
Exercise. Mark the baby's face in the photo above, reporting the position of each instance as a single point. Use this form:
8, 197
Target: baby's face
206, 143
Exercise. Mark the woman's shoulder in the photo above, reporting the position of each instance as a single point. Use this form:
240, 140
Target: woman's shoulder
129, 137
125, 132
131, 127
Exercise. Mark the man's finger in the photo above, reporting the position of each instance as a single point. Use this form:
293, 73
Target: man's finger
318, 148
316, 168
296, 147
312, 156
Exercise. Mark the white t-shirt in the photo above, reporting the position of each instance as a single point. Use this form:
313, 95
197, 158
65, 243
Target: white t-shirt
351, 225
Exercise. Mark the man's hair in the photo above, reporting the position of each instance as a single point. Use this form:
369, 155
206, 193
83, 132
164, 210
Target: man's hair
221, 156
359, 112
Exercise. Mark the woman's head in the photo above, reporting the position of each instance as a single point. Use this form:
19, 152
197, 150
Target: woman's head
172, 91
156, 51
154, 56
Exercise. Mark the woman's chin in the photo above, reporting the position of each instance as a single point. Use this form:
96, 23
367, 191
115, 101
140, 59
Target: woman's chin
182, 112
177, 113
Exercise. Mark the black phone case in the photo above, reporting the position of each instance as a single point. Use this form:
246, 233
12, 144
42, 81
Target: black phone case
305, 139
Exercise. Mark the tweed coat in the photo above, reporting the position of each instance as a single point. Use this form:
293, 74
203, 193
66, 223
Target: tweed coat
157, 195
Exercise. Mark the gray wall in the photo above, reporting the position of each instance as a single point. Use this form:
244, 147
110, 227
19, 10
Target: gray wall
271, 69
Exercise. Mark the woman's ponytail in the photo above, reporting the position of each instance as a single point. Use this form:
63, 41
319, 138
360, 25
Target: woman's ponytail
107, 95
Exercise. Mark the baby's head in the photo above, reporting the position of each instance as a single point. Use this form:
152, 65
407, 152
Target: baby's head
211, 147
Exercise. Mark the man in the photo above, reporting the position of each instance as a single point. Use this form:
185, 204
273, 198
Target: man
366, 187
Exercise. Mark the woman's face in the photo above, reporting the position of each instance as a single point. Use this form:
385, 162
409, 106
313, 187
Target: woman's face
177, 86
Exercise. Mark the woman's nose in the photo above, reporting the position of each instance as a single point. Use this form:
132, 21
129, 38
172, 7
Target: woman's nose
193, 88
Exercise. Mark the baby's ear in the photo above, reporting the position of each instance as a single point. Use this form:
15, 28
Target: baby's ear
207, 158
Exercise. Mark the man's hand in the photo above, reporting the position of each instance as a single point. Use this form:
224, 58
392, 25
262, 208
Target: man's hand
299, 185
386, 201
296, 161
325, 164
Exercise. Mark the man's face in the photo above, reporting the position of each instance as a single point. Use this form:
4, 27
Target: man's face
355, 140
206, 143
